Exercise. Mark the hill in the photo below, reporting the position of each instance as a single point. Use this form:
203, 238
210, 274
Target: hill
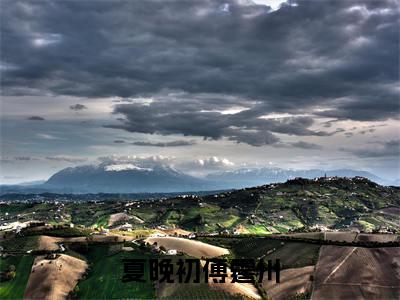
298, 204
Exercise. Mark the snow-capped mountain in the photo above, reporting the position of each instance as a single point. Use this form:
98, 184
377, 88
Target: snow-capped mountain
156, 177
125, 178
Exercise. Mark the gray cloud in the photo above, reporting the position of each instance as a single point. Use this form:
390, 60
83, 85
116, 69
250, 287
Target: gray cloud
24, 158
164, 144
380, 150
199, 116
119, 141
36, 118
316, 54
69, 159
306, 145
78, 107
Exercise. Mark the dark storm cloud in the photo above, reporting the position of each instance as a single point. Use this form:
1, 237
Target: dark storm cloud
78, 107
36, 118
195, 118
338, 55
165, 144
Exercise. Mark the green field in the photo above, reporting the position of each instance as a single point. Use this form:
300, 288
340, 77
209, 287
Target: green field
15, 288
102, 221
257, 229
105, 274
20, 244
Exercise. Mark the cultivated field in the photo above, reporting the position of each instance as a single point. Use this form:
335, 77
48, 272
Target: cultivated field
255, 247
54, 278
246, 289
118, 217
295, 255
104, 279
175, 231
50, 243
15, 288
379, 238
293, 282
340, 236
190, 247
354, 273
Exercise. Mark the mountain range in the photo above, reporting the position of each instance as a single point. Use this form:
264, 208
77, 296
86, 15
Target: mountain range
130, 178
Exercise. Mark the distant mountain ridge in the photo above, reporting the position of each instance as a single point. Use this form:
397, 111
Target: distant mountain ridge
125, 178
260, 176
159, 178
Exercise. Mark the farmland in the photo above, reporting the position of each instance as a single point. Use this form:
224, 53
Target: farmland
14, 289
297, 205
104, 277
359, 272
190, 247
295, 255
294, 282
315, 228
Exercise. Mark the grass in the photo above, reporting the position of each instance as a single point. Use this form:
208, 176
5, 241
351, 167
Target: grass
104, 278
257, 229
102, 221
15, 288
20, 244
367, 226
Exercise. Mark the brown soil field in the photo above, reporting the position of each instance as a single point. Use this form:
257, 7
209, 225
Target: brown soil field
306, 235
340, 236
395, 211
357, 273
379, 237
118, 217
54, 278
190, 247
111, 238
50, 243
246, 289
175, 231
165, 290
293, 281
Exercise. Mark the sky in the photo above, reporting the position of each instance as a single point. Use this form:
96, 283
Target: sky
202, 85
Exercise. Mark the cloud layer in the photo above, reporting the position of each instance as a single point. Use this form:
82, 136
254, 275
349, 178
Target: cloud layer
323, 58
